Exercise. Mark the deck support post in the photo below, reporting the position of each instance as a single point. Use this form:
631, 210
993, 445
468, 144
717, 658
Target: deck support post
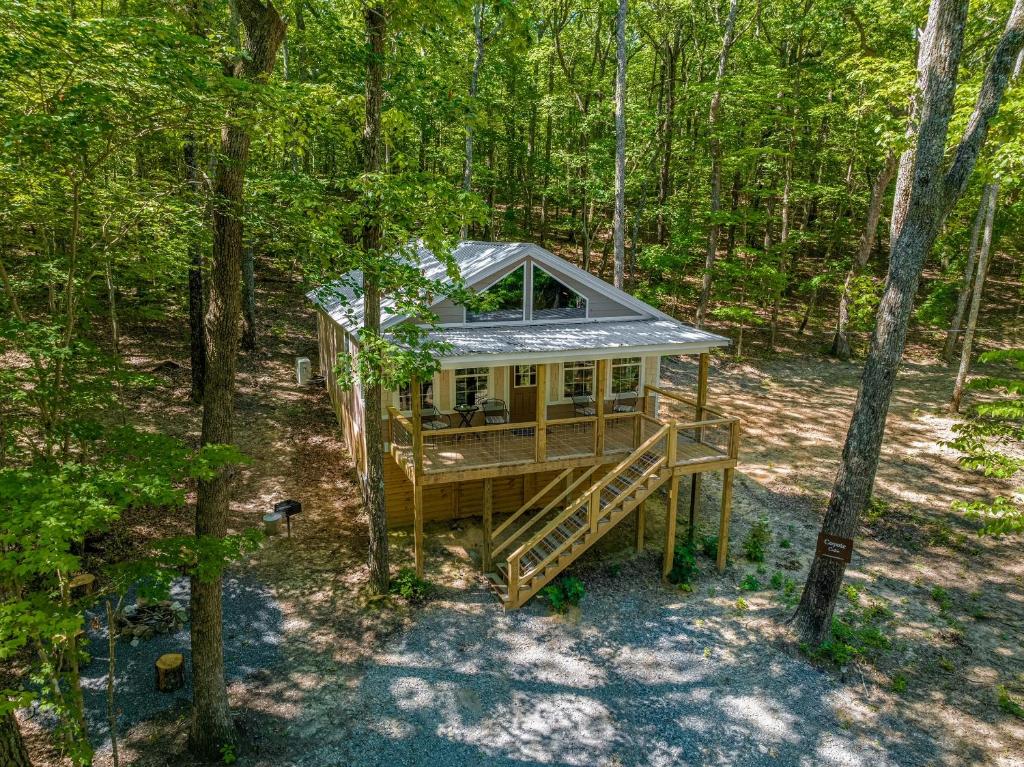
695, 492
417, 533
723, 524
641, 524
671, 508
600, 387
488, 523
541, 415
702, 399
417, 425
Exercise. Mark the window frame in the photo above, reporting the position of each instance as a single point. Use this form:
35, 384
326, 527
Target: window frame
458, 373
523, 314
619, 362
533, 297
531, 375
579, 365
426, 387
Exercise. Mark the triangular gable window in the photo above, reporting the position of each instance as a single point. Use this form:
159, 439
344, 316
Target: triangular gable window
554, 301
503, 301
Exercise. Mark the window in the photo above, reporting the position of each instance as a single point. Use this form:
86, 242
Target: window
553, 300
426, 395
578, 379
503, 301
471, 385
625, 375
525, 375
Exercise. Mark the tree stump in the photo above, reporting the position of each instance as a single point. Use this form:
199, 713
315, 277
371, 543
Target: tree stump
82, 584
170, 672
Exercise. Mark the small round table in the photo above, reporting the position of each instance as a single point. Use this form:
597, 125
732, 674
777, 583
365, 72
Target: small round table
466, 413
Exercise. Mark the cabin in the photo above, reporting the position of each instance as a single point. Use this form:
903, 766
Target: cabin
546, 418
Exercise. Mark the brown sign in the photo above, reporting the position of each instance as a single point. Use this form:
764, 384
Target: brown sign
834, 547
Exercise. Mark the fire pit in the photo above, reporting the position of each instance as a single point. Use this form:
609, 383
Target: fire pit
145, 620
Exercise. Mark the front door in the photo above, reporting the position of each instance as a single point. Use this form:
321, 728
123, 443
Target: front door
523, 406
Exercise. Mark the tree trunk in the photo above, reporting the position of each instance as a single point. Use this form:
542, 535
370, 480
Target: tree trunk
668, 132
620, 145
965, 285
931, 194
547, 155
716, 165
841, 341
474, 83
211, 717
12, 748
373, 488
249, 299
991, 190
196, 308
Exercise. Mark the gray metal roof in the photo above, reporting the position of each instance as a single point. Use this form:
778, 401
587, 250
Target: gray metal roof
566, 341
654, 333
473, 258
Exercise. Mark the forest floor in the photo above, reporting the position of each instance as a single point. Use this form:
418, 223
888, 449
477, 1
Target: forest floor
641, 673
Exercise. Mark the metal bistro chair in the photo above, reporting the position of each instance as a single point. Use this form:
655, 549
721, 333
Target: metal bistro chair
583, 405
626, 403
434, 420
495, 411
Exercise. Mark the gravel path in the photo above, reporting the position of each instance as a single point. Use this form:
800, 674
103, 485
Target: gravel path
638, 678
252, 641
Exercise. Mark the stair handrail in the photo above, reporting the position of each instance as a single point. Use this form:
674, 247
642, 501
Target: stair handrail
583, 477
530, 503
573, 507
654, 468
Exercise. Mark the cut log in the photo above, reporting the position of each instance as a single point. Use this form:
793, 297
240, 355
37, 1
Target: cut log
82, 584
170, 672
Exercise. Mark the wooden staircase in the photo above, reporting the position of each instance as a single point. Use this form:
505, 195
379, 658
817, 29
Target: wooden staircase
579, 516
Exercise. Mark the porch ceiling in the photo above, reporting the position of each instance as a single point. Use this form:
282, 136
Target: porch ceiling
521, 344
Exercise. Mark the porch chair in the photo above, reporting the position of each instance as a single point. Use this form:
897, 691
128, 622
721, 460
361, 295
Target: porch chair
433, 419
583, 405
495, 411
626, 403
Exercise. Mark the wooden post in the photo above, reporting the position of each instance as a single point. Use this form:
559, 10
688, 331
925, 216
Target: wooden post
671, 507
641, 523
417, 426
541, 416
600, 386
488, 523
695, 493
417, 529
702, 384
723, 525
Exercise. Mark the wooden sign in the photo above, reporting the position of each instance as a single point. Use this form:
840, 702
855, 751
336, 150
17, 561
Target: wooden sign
834, 547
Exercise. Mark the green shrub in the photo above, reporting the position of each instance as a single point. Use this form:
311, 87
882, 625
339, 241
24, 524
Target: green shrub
851, 593
750, 583
941, 598
784, 543
856, 633
741, 604
411, 588
563, 594
757, 540
1008, 704
899, 684
684, 565
709, 546
777, 580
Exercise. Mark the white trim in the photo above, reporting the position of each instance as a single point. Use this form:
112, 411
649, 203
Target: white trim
538, 323
490, 382
606, 353
609, 394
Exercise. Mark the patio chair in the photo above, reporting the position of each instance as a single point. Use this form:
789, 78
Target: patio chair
583, 405
495, 411
433, 419
626, 403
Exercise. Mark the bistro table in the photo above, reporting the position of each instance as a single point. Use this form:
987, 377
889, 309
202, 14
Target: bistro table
466, 413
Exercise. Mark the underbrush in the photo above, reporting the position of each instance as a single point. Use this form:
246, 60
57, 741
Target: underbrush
407, 585
859, 631
563, 594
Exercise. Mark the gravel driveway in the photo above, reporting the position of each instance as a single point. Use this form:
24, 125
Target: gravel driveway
639, 677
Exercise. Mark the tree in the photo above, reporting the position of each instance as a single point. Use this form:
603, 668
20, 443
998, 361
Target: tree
212, 727
964, 295
12, 748
989, 197
619, 224
932, 191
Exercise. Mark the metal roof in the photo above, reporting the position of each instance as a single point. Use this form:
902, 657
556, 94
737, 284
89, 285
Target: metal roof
567, 341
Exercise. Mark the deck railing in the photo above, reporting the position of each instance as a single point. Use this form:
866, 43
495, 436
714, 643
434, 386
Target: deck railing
700, 434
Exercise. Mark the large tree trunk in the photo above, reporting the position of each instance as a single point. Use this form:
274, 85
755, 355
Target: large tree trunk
931, 194
12, 749
991, 190
249, 299
620, 145
841, 341
474, 84
211, 717
716, 165
196, 307
373, 487
965, 284
547, 155
668, 132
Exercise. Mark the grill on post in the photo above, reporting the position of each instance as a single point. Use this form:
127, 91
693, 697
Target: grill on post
289, 509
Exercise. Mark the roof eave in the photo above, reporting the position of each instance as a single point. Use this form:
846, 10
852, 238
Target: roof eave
606, 352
